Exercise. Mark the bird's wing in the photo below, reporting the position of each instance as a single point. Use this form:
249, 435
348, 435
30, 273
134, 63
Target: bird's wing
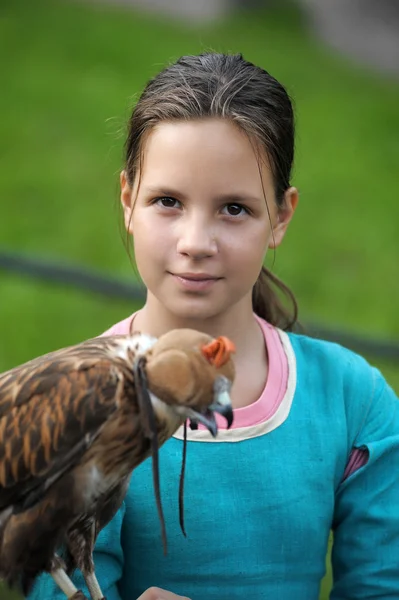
51, 409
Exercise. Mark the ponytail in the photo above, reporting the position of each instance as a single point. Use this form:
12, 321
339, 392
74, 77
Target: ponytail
268, 305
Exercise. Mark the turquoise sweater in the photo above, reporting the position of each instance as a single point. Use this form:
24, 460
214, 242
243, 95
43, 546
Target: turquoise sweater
260, 501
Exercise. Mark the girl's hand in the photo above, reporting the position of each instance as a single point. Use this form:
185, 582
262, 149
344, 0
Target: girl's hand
154, 593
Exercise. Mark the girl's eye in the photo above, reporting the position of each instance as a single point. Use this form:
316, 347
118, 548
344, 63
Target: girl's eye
167, 202
235, 210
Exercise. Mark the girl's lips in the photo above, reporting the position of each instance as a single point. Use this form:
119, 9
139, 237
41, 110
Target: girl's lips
195, 283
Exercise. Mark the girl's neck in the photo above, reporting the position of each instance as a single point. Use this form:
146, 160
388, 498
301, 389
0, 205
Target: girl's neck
238, 324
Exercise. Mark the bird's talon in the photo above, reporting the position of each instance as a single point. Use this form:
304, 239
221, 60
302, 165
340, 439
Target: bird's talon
79, 595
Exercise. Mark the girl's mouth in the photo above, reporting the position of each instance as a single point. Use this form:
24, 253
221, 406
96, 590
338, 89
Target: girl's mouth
195, 281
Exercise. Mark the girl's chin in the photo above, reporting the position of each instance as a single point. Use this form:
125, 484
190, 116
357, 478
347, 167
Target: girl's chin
192, 310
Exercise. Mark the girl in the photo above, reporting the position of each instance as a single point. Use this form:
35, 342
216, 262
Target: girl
315, 442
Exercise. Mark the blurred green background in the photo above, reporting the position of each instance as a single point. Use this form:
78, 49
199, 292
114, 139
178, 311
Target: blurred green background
69, 76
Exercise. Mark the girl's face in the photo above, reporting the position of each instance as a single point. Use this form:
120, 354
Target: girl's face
200, 219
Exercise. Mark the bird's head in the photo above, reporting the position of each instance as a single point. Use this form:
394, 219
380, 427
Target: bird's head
192, 373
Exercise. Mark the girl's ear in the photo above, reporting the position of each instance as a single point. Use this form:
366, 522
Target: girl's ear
284, 216
126, 200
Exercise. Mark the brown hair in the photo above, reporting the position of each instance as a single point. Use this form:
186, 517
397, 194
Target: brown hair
226, 86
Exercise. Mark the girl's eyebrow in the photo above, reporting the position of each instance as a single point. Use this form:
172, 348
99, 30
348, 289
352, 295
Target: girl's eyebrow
228, 198
238, 198
163, 191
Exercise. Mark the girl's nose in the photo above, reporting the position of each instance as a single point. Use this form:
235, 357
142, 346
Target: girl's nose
196, 239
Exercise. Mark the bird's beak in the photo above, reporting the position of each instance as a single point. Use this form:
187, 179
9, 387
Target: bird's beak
206, 418
221, 405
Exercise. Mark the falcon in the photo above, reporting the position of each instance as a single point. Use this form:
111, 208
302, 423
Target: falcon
76, 422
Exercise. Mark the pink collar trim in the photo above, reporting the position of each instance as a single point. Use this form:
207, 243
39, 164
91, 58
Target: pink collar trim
276, 384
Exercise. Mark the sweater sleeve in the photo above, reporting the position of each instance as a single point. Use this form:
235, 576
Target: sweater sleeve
108, 559
366, 519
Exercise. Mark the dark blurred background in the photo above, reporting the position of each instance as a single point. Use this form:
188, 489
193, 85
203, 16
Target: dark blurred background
70, 73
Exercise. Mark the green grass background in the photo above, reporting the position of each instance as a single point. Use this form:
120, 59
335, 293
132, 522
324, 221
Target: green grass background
70, 73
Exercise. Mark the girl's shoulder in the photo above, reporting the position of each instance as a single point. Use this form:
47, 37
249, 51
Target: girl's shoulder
120, 328
319, 359
324, 359
341, 376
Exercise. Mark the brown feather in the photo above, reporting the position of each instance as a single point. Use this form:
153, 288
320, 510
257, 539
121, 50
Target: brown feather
74, 424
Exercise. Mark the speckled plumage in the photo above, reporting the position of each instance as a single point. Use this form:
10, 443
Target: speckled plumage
73, 426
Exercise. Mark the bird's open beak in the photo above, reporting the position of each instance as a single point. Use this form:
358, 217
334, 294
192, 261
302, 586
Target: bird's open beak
221, 405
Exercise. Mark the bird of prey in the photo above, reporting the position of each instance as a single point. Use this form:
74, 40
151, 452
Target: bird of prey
76, 422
